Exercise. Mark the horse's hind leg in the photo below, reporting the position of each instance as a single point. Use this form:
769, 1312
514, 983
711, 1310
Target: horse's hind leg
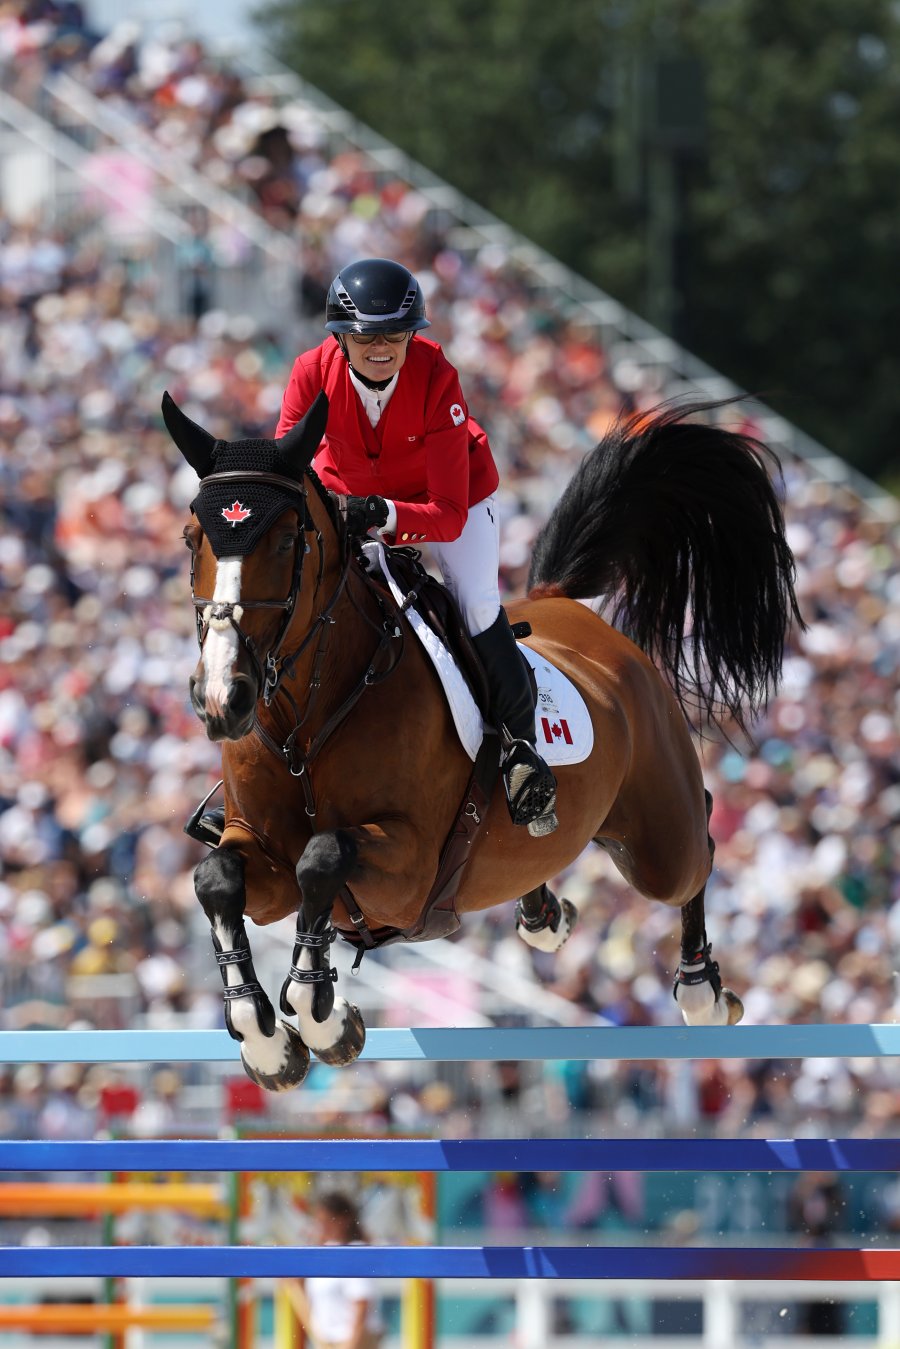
331, 1026
698, 987
273, 1054
543, 921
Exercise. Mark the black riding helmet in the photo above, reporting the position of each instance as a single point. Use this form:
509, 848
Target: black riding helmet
372, 296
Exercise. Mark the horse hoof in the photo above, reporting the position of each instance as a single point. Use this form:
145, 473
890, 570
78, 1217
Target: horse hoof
295, 1063
570, 918
349, 1044
734, 1005
546, 938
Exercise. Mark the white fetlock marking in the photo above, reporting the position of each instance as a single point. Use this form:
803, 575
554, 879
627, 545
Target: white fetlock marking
546, 939
317, 1035
699, 1005
266, 1053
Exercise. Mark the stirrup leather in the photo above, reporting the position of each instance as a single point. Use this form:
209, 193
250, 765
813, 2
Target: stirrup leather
529, 784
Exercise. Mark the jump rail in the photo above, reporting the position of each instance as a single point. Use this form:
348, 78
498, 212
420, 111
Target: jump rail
477, 1044
453, 1262
479, 1262
426, 1154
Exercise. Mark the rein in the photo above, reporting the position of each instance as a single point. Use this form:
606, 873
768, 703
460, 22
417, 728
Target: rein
219, 614
271, 670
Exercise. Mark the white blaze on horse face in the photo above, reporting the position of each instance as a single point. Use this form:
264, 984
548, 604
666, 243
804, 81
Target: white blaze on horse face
220, 647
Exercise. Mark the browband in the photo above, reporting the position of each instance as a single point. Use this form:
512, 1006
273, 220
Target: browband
252, 475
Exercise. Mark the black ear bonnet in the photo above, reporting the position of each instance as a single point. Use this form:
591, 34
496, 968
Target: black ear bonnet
235, 515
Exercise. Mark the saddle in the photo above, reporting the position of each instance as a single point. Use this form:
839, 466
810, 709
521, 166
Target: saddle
431, 599
434, 603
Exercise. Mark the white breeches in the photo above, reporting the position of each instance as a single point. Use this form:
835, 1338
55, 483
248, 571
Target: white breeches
470, 565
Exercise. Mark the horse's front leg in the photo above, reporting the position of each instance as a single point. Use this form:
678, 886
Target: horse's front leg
698, 985
273, 1054
332, 1027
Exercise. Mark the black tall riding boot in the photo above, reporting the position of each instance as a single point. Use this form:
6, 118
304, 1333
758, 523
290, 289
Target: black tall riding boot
530, 785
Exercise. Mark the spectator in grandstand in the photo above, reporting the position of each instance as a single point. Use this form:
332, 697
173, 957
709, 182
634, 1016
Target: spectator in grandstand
815, 1210
339, 1312
415, 467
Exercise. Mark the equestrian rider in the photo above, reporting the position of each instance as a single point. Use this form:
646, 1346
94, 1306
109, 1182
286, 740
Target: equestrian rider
416, 468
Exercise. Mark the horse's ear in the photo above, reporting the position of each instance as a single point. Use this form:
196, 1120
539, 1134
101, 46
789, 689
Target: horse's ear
195, 444
298, 445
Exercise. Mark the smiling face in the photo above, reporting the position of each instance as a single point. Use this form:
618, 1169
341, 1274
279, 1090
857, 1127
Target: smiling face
378, 359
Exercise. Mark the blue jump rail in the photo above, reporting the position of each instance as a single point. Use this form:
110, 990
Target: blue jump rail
477, 1045
452, 1262
472, 1154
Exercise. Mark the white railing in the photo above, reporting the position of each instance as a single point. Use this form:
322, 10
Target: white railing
174, 168
64, 153
533, 1300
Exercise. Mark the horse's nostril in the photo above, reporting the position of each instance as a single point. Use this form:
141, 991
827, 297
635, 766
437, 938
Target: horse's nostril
242, 696
196, 689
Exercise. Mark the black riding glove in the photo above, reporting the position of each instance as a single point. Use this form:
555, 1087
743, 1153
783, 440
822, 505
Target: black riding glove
364, 513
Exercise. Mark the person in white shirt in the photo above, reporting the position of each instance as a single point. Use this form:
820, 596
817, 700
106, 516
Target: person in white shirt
340, 1312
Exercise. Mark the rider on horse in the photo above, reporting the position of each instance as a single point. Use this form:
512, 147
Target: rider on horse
415, 468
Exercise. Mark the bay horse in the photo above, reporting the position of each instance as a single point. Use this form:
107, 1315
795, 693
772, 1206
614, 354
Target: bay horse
343, 773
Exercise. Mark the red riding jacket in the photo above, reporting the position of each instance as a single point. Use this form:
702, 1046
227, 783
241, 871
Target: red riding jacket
426, 454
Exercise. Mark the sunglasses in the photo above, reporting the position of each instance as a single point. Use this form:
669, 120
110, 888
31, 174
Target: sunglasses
364, 339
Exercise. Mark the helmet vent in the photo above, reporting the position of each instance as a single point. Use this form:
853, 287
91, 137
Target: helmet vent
345, 299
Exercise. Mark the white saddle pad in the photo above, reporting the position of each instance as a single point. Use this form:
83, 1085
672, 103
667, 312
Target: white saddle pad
565, 733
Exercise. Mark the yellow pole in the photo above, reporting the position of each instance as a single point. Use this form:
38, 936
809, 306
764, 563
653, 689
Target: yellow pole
289, 1332
418, 1308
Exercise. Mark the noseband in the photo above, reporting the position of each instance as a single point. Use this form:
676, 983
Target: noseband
220, 615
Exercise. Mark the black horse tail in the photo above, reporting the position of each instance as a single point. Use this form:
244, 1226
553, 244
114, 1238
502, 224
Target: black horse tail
677, 526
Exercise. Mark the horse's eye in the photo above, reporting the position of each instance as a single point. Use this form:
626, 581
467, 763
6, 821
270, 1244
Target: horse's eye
286, 543
192, 534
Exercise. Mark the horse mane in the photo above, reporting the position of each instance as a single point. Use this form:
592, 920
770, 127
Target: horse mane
327, 498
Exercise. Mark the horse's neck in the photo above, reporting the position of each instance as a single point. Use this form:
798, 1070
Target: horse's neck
339, 632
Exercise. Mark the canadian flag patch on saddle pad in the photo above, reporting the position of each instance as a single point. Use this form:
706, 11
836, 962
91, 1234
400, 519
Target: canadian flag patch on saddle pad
565, 732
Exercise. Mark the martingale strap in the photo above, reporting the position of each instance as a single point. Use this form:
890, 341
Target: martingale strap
438, 917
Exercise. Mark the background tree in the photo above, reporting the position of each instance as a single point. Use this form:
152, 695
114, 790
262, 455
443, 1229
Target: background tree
729, 169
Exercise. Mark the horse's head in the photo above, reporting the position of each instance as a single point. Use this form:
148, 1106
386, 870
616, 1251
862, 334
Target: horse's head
248, 543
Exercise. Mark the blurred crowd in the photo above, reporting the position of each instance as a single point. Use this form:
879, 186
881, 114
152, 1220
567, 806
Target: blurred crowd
101, 758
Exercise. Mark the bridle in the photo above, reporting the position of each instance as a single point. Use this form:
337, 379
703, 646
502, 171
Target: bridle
272, 668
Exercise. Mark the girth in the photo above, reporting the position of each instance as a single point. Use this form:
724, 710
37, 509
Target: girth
438, 917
